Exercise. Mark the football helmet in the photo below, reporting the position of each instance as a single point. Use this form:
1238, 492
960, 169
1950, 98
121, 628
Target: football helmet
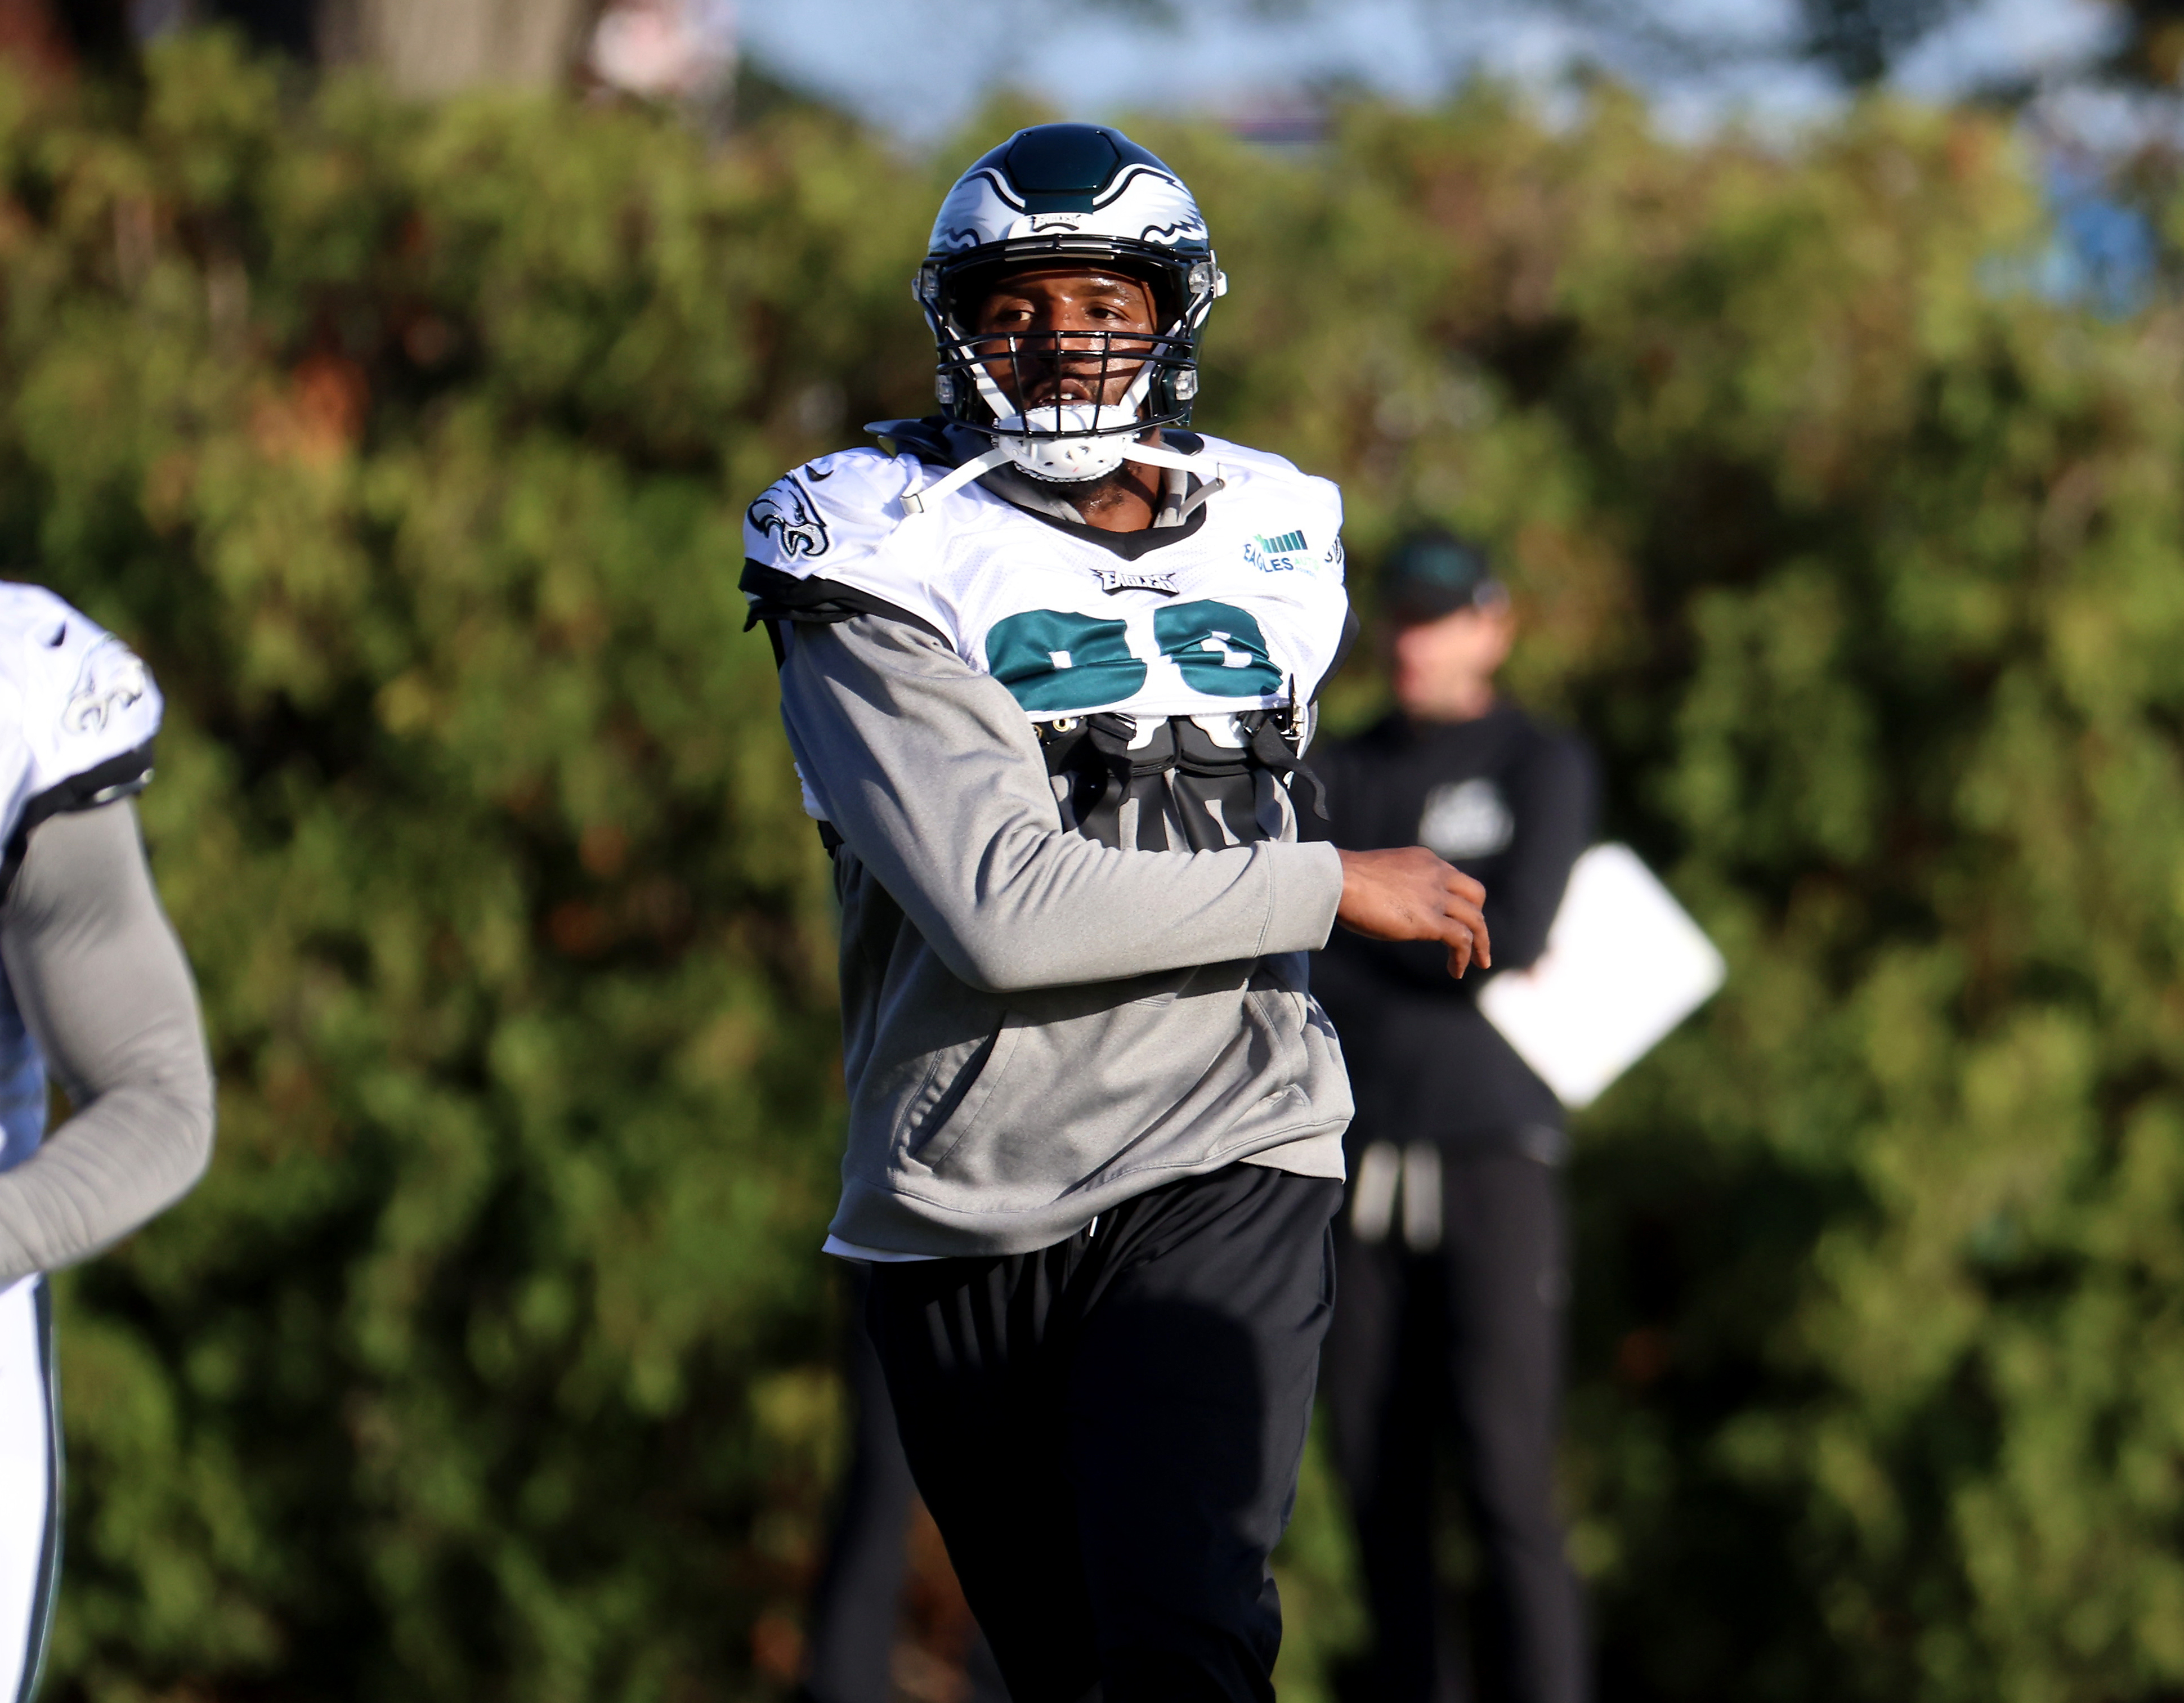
1057, 193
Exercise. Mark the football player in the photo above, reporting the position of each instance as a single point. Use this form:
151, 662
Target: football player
1048, 672
96, 988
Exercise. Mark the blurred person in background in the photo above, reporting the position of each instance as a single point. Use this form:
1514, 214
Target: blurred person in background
1452, 1247
665, 50
96, 988
1047, 672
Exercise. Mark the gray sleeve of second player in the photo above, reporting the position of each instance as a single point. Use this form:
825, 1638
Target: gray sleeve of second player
931, 774
103, 983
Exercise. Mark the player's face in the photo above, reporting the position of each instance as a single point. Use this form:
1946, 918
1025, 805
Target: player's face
1063, 334
1443, 669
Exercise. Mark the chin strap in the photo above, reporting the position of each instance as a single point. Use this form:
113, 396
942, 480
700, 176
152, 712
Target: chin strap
1160, 455
920, 501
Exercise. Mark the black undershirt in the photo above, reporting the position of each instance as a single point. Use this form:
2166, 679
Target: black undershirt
1423, 1063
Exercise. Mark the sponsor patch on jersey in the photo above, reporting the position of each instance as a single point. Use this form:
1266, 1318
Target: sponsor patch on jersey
787, 511
1283, 554
1135, 579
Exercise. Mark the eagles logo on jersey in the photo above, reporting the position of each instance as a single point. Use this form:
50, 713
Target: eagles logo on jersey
110, 681
787, 515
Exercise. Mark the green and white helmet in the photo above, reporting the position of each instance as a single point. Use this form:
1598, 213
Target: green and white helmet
1055, 193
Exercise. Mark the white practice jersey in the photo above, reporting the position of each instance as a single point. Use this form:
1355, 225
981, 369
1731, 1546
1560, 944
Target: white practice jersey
1240, 609
78, 711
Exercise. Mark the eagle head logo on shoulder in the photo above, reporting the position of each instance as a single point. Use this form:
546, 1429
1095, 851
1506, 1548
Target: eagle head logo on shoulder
111, 679
788, 512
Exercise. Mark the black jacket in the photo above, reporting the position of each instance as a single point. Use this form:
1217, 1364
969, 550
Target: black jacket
1510, 801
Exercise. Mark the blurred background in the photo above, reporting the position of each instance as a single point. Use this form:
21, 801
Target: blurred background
393, 373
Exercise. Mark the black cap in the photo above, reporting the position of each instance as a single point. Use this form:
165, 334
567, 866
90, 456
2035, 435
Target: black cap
1431, 572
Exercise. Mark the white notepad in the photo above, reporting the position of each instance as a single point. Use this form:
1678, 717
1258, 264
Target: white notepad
1624, 964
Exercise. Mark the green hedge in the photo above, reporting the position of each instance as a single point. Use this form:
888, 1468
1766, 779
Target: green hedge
492, 1360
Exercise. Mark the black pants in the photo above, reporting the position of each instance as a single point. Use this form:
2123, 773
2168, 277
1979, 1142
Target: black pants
854, 1610
1471, 1333
1108, 1432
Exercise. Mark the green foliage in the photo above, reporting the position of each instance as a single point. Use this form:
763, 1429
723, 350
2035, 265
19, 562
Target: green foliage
492, 1361
1864, 573
404, 450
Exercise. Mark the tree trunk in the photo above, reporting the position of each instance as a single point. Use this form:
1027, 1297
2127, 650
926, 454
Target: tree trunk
436, 47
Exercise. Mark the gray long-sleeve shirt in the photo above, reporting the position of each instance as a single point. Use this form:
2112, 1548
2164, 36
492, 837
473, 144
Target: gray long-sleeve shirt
1038, 1026
101, 982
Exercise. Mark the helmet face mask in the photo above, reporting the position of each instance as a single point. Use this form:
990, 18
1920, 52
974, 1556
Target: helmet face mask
1058, 198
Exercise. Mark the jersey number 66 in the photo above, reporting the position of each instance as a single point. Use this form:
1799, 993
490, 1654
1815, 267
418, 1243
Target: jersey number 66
1056, 659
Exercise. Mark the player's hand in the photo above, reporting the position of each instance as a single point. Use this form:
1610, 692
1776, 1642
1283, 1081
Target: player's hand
1410, 894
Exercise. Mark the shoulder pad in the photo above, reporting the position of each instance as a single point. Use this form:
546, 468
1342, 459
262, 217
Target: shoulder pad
84, 707
1264, 467
925, 439
829, 511
1293, 499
